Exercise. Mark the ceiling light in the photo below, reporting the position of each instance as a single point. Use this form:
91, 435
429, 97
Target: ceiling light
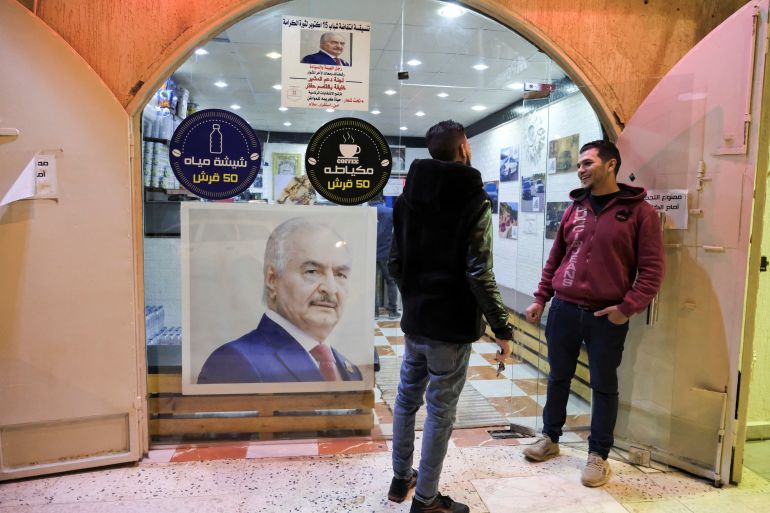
375, 112
235, 106
390, 92
402, 128
517, 86
479, 107
419, 113
480, 67
414, 62
201, 51
273, 55
329, 110
220, 83
442, 95
277, 87
287, 123
283, 109
451, 11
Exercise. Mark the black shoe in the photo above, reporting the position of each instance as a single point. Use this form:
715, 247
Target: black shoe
394, 315
441, 504
399, 488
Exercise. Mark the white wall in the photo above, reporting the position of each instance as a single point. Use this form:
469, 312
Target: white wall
519, 262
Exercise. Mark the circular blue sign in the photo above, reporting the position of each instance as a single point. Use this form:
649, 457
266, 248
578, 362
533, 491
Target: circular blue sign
215, 154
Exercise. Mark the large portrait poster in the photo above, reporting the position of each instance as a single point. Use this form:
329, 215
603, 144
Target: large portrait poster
325, 63
277, 298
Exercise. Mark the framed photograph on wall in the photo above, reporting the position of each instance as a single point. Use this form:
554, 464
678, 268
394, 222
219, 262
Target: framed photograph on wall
563, 152
264, 285
533, 192
508, 224
285, 167
554, 211
509, 164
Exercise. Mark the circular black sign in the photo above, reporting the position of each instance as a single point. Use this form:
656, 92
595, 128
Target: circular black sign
348, 161
215, 154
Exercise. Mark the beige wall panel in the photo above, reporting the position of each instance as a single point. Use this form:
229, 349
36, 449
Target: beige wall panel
68, 332
619, 49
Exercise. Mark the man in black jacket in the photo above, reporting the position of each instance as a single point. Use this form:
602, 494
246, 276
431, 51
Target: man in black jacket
441, 259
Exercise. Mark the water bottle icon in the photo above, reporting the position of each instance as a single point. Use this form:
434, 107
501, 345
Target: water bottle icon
215, 140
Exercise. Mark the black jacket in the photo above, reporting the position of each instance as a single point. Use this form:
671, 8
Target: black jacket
441, 255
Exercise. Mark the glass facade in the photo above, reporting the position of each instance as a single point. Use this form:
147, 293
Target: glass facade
428, 61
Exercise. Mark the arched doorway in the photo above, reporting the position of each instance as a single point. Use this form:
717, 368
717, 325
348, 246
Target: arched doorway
423, 62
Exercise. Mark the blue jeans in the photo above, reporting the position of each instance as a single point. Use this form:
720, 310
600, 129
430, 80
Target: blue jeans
391, 289
441, 367
567, 328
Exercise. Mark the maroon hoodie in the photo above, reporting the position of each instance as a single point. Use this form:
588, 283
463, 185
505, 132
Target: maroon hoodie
613, 258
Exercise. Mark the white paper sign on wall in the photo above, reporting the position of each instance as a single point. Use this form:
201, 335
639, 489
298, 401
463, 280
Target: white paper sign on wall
36, 180
673, 202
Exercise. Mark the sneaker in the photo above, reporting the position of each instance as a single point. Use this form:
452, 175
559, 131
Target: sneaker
597, 471
394, 315
542, 450
441, 504
399, 488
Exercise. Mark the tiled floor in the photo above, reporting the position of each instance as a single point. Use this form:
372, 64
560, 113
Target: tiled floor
518, 394
352, 476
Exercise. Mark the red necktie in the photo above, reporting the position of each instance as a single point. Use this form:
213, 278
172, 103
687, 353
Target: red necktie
326, 364
339, 62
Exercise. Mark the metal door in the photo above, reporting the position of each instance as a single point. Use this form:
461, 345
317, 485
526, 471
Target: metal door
696, 131
71, 394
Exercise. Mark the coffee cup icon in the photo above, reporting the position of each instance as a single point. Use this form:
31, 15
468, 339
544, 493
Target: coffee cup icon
349, 150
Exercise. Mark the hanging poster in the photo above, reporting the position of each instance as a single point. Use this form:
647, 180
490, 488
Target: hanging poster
325, 63
277, 298
509, 220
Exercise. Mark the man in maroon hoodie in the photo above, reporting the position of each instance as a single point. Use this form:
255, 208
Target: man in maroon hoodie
606, 264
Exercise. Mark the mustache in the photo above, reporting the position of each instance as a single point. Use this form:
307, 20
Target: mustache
324, 301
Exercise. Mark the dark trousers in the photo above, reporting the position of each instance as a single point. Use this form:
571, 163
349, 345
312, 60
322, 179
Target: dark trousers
567, 328
391, 289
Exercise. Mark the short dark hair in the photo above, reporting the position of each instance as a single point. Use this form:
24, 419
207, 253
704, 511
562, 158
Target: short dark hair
606, 151
444, 138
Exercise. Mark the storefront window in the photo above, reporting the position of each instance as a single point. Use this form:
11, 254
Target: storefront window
427, 61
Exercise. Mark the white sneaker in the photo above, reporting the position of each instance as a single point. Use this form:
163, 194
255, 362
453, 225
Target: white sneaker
597, 471
542, 450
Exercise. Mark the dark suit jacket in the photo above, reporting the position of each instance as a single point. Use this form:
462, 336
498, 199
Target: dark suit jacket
268, 354
322, 58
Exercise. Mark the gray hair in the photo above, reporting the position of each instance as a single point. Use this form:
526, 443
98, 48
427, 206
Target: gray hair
327, 35
279, 244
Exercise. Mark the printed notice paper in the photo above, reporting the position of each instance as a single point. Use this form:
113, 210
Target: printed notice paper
673, 202
36, 180
325, 63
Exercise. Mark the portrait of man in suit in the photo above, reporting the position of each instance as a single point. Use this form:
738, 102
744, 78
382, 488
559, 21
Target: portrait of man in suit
332, 45
306, 278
